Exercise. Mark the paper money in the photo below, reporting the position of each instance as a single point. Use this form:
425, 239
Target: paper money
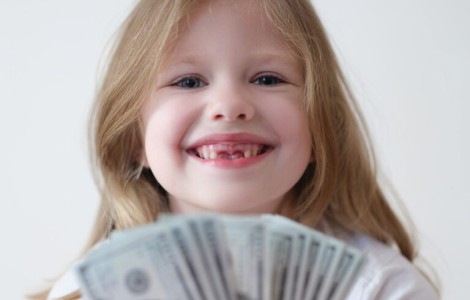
213, 257
245, 235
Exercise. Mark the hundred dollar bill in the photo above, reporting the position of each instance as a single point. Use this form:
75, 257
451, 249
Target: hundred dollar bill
279, 255
321, 263
159, 251
246, 241
209, 237
192, 255
306, 248
350, 264
330, 256
124, 271
308, 268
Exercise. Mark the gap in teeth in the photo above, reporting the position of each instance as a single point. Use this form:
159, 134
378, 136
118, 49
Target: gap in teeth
235, 151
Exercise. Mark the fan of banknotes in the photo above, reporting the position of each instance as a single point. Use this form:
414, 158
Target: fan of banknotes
218, 257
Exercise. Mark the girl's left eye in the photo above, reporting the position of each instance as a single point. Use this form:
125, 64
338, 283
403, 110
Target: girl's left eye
268, 80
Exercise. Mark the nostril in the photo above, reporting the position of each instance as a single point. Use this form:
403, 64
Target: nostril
241, 116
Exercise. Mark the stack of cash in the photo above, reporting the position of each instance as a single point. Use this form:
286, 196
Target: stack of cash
218, 257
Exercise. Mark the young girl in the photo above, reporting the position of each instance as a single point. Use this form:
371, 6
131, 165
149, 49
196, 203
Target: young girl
240, 107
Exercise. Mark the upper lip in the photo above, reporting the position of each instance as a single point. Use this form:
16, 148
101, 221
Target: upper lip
230, 138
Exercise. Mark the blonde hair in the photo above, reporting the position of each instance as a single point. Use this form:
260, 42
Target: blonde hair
341, 187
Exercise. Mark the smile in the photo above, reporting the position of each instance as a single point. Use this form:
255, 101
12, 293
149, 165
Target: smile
229, 151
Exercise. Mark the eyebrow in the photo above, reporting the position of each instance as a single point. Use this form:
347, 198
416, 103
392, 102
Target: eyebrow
261, 57
273, 56
188, 60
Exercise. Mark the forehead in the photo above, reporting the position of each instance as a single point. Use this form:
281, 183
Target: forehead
241, 14
241, 24
243, 9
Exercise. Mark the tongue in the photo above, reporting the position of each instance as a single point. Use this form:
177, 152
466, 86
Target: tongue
230, 156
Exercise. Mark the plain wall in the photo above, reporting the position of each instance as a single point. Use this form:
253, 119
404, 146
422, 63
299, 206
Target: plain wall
407, 62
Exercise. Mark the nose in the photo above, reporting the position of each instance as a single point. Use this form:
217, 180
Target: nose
231, 104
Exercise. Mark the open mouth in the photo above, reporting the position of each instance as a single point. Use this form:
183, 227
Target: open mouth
229, 151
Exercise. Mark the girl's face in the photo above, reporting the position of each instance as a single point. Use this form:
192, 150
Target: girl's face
225, 128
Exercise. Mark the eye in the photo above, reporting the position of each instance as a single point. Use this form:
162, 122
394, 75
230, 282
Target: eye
189, 82
268, 80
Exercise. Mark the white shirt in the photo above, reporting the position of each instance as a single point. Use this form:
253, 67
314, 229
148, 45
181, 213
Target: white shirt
386, 275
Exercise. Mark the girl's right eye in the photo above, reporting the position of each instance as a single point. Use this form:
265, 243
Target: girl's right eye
189, 82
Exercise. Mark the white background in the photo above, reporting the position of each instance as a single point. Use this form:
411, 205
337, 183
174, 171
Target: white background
408, 62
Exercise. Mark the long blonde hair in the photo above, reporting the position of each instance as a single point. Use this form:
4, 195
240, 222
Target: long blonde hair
341, 187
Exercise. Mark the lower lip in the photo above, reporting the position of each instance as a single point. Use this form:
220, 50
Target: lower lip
233, 163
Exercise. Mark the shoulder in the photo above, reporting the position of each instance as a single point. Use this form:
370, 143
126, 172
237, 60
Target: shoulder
386, 274
66, 285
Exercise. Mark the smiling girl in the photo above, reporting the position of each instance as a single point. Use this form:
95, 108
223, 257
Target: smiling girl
225, 127
240, 107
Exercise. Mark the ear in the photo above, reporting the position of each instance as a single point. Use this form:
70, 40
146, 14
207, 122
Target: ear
312, 156
142, 159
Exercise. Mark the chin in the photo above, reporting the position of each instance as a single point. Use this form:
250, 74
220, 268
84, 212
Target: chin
240, 206
222, 203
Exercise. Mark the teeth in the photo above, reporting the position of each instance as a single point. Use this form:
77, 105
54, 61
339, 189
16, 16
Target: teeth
205, 153
228, 151
247, 153
213, 155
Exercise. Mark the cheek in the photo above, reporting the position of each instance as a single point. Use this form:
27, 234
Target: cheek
290, 121
293, 128
161, 130
165, 125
